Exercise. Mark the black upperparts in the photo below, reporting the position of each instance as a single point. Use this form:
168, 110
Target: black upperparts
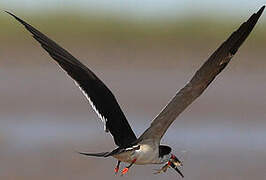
164, 150
98, 94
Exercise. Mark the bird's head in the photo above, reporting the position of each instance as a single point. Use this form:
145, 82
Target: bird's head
171, 159
174, 162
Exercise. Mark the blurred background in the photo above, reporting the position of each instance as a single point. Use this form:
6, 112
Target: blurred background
144, 51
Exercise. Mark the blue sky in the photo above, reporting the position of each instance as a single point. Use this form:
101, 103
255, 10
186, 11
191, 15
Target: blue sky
139, 8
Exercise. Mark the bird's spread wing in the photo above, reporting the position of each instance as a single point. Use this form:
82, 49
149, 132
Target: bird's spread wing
200, 81
100, 97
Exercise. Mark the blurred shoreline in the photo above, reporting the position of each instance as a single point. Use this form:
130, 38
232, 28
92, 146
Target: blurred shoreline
111, 28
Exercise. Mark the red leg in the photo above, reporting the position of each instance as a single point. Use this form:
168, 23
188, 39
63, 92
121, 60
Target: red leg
117, 167
125, 170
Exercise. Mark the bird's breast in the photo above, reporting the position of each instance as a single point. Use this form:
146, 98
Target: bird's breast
146, 154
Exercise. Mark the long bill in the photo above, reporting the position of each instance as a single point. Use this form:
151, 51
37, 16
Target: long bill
177, 170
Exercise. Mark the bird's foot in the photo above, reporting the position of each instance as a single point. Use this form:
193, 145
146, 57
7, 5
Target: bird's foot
116, 170
117, 167
124, 171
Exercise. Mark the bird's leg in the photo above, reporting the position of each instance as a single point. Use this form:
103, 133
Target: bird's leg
125, 170
117, 167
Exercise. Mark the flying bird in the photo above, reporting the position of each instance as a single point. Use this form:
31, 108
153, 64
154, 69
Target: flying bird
145, 149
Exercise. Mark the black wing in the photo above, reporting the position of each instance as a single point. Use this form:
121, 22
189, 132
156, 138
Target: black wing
99, 96
201, 80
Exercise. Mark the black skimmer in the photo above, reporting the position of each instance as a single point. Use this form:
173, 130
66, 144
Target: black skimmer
146, 149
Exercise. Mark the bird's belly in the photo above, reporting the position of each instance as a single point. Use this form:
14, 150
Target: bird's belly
146, 158
145, 155
124, 157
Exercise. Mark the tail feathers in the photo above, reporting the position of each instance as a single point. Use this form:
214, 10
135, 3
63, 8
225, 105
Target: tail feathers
101, 154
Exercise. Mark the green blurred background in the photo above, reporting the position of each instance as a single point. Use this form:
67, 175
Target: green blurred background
144, 51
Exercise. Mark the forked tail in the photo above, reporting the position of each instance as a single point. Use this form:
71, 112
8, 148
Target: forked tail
104, 154
101, 154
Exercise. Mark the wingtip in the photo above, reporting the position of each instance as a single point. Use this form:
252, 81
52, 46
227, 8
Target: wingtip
10, 13
261, 10
17, 18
